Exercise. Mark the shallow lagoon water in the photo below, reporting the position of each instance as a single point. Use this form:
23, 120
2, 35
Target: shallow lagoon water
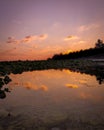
51, 96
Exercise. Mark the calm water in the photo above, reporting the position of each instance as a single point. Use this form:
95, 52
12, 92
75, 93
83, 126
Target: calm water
53, 95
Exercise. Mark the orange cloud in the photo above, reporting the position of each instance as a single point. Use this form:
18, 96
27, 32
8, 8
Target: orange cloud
71, 38
71, 86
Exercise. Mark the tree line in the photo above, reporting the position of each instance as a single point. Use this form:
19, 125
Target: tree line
98, 49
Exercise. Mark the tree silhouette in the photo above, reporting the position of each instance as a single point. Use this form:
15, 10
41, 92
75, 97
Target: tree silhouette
98, 49
99, 44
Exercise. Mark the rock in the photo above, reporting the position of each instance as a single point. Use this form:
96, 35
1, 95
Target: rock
2, 94
6, 90
9, 114
1, 82
7, 79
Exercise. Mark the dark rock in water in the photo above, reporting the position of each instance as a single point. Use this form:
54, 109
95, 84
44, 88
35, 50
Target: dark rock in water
7, 79
2, 94
6, 90
9, 114
1, 82
0, 79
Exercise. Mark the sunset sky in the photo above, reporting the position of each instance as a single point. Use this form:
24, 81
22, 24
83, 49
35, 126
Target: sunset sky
38, 29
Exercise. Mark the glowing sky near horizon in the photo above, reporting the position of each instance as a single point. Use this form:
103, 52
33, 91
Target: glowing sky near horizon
38, 29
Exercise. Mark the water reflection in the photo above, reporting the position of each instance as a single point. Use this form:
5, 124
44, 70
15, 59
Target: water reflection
42, 80
52, 95
71, 86
98, 72
29, 85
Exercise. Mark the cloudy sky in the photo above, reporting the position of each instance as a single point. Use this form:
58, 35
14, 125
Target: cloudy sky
38, 29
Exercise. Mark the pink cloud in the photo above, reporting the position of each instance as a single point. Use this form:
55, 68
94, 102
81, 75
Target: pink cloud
27, 39
42, 37
12, 40
71, 38
88, 27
